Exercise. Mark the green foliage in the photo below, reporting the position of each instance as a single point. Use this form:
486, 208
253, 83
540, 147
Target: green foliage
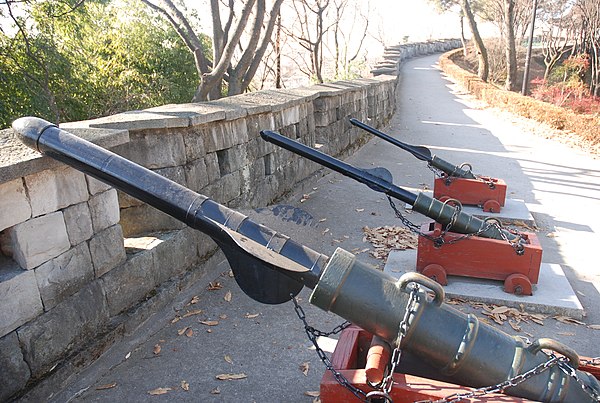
101, 58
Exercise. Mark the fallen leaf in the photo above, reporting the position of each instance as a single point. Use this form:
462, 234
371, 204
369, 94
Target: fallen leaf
209, 322
223, 316
106, 386
192, 313
228, 359
159, 391
500, 309
251, 315
185, 385
227, 296
209, 330
156, 349
360, 210
176, 319
326, 230
183, 330
195, 299
323, 220
304, 367
566, 319
228, 377
312, 393
230, 274
595, 327
214, 286
189, 332
215, 391
128, 355
514, 325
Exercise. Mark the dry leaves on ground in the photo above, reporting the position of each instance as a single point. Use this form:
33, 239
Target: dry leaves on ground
185, 385
159, 391
209, 322
228, 359
514, 316
213, 286
156, 349
304, 367
387, 238
227, 296
251, 315
231, 377
311, 393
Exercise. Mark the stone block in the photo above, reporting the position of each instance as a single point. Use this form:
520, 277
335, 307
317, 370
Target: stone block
129, 283
144, 219
156, 150
64, 275
52, 190
291, 115
14, 372
175, 255
225, 135
226, 189
15, 204
212, 167
196, 175
232, 159
95, 186
19, 296
258, 148
126, 201
79, 223
176, 174
104, 209
256, 123
194, 144
38, 240
107, 250
64, 329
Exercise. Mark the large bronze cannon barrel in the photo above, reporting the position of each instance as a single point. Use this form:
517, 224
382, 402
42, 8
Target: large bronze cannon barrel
271, 268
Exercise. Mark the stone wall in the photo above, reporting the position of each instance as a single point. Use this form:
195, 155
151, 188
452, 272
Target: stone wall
83, 264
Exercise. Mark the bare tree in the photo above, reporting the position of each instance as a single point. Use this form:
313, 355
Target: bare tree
558, 34
483, 67
589, 12
342, 40
310, 31
227, 42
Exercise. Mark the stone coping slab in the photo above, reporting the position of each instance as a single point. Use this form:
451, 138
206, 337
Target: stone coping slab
553, 295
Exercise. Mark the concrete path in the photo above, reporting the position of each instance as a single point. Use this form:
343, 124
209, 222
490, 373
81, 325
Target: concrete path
267, 344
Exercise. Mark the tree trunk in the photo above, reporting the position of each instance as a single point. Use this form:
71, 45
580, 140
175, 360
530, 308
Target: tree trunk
511, 52
483, 69
463, 40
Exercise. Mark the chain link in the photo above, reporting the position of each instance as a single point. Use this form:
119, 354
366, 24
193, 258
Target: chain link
313, 334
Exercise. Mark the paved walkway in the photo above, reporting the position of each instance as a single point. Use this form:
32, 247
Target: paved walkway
267, 343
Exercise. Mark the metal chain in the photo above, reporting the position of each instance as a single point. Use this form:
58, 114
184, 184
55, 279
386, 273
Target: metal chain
385, 387
595, 362
439, 240
572, 372
313, 334
499, 388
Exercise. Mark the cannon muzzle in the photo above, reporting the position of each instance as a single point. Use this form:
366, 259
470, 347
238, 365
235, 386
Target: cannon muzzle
271, 268
422, 153
450, 216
